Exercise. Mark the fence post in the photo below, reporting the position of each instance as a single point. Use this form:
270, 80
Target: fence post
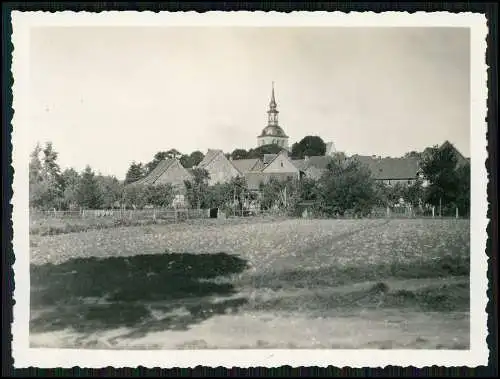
388, 212
433, 208
154, 214
175, 216
456, 212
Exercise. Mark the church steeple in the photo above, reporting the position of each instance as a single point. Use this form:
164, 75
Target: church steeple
273, 134
272, 112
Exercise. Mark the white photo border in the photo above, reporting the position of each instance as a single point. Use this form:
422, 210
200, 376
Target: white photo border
24, 356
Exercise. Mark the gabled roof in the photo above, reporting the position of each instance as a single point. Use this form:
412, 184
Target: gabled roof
245, 165
460, 157
390, 168
271, 158
209, 157
158, 171
320, 162
267, 158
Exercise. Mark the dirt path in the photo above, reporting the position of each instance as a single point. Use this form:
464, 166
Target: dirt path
296, 327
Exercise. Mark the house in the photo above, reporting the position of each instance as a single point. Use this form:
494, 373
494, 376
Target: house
220, 169
392, 170
168, 171
313, 167
461, 160
260, 171
387, 170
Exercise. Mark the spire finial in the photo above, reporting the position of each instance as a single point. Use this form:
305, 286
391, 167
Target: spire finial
273, 101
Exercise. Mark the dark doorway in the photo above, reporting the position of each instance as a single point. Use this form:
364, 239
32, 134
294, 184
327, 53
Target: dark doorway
214, 212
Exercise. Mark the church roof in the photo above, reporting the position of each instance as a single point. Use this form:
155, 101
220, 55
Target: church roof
273, 131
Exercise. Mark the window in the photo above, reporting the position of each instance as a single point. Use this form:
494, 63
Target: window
281, 164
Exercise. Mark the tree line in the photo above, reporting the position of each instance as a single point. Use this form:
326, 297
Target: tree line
346, 186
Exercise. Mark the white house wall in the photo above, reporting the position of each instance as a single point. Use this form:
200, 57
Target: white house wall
281, 164
221, 170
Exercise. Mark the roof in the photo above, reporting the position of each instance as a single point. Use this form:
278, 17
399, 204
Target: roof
273, 131
244, 165
390, 168
209, 157
158, 171
318, 161
381, 168
268, 158
460, 157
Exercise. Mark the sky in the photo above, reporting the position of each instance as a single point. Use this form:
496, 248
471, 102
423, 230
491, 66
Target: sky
107, 96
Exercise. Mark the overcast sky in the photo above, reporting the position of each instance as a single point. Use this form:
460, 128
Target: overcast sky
109, 96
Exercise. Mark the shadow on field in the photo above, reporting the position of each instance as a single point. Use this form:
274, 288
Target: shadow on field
444, 286
147, 292
333, 275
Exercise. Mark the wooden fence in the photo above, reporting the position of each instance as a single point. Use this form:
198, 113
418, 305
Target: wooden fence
135, 214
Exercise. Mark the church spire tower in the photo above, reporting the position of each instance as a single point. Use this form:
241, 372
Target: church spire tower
272, 112
273, 134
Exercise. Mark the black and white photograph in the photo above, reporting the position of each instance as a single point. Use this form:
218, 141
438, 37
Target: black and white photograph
246, 186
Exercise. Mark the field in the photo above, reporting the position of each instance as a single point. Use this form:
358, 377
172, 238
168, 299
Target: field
260, 283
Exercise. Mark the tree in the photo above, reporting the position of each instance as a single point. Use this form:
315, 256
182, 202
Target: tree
196, 189
51, 173
346, 186
308, 146
111, 190
50, 166
88, 192
280, 194
46, 186
413, 154
135, 172
463, 194
239, 154
264, 149
192, 160
71, 179
158, 157
196, 157
173, 153
160, 195
439, 167
36, 186
414, 194
134, 196
35, 166
219, 195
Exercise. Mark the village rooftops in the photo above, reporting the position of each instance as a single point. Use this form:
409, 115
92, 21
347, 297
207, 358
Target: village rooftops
154, 175
245, 165
209, 157
391, 168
